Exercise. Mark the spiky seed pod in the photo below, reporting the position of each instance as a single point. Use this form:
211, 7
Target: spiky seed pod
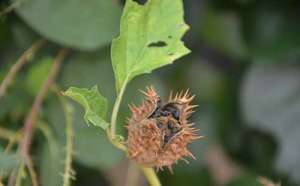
158, 134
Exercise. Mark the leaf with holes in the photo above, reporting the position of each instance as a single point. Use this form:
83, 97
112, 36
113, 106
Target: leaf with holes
150, 37
94, 103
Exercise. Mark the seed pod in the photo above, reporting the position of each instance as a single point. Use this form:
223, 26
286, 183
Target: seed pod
158, 135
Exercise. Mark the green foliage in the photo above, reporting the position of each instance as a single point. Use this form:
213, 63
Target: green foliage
52, 167
8, 161
224, 33
75, 23
91, 146
38, 74
245, 180
94, 103
249, 109
149, 38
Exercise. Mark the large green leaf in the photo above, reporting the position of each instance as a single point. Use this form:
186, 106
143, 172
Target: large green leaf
150, 37
75, 23
94, 103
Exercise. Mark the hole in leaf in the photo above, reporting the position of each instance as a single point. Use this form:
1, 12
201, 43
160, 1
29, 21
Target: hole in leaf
158, 44
141, 2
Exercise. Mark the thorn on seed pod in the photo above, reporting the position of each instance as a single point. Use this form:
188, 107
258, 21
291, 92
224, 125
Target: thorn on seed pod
158, 134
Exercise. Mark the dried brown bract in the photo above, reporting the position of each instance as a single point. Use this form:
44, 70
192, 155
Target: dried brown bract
158, 133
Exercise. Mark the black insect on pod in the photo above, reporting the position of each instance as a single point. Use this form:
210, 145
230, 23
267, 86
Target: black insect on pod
156, 137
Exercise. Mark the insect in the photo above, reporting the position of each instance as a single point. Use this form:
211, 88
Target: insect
167, 109
169, 127
158, 133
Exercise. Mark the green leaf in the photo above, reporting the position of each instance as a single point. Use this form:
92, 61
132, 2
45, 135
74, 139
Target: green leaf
94, 103
150, 37
7, 162
75, 23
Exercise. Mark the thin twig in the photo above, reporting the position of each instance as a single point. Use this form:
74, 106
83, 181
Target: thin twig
30, 167
32, 116
25, 143
20, 175
26, 56
68, 111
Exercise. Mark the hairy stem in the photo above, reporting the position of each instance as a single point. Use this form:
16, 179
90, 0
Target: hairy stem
27, 55
68, 109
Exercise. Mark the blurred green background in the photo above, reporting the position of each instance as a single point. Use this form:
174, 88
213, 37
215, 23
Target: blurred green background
243, 69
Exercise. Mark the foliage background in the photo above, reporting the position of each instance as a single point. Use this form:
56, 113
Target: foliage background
244, 70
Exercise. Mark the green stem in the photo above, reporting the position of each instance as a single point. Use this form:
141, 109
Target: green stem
68, 109
116, 142
151, 176
116, 108
111, 134
20, 175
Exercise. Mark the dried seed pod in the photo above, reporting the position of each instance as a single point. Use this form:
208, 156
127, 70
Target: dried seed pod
158, 134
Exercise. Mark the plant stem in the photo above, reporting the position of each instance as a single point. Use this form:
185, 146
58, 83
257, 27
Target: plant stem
148, 172
116, 108
116, 142
27, 55
151, 176
68, 109
25, 143
20, 175
32, 116
32, 173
